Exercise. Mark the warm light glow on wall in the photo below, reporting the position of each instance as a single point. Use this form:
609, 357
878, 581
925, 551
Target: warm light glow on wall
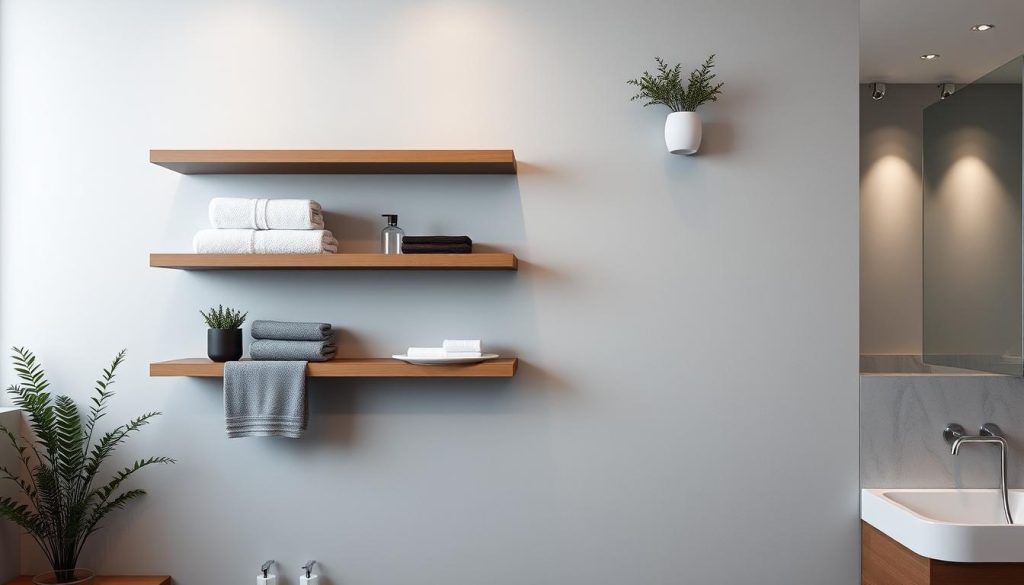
890, 232
458, 62
975, 194
888, 189
979, 215
890, 205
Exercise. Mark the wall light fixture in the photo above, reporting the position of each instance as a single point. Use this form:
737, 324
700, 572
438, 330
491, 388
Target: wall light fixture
877, 91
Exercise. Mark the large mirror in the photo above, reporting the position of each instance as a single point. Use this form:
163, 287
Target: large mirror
972, 218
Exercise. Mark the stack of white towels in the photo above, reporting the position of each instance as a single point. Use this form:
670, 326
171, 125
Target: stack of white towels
451, 348
265, 226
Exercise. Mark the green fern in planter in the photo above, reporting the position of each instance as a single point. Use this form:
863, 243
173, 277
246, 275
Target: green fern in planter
63, 506
221, 318
667, 89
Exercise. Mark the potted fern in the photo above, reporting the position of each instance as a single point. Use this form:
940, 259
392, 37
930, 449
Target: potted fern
683, 126
224, 338
61, 503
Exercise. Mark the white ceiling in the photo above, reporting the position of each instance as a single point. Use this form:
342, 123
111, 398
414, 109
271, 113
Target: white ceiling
895, 33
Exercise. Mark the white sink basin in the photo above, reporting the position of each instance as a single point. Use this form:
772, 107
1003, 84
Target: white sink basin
962, 526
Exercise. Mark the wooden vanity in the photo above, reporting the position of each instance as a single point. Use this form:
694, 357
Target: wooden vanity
887, 562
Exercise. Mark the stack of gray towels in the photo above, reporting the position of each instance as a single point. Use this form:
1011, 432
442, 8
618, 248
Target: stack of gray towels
266, 396
286, 340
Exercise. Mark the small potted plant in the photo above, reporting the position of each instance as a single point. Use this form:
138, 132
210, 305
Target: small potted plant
224, 338
63, 498
683, 126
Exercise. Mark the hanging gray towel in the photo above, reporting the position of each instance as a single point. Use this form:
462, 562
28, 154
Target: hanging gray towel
265, 399
290, 331
275, 349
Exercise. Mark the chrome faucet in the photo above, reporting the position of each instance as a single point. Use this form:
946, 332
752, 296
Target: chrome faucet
989, 434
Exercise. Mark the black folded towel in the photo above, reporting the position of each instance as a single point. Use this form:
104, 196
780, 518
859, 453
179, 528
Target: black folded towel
437, 240
436, 248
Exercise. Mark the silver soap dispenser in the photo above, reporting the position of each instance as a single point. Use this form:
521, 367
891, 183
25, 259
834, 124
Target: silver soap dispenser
391, 236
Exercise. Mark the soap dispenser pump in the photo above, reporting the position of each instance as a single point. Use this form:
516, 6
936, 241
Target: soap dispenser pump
391, 236
264, 577
307, 577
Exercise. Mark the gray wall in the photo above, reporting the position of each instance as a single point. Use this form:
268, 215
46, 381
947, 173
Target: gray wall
902, 418
668, 311
890, 218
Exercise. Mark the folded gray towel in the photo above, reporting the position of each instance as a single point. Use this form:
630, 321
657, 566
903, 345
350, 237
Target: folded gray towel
265, 399
291, 331
276, 349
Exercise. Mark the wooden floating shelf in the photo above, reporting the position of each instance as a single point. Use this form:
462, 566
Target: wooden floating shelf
482, 261
109, 580
352, 368
336, 162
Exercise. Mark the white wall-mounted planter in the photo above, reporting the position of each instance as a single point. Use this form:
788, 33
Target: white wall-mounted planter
682, 132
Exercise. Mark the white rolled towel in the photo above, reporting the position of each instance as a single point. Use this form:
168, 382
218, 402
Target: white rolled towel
264, 242
265, 214
461, 345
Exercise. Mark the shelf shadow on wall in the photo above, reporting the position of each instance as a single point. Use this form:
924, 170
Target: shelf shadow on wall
338, 406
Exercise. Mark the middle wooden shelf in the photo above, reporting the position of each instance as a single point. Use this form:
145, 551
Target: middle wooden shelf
475, 261
352, 368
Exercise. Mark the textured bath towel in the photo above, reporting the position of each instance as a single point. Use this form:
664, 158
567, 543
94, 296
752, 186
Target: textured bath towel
290, 330
265, 214
265, 399
264, 242
275, 349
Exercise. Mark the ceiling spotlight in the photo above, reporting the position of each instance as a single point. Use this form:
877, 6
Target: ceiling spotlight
877, 91
930, 56
982, 27
946, 89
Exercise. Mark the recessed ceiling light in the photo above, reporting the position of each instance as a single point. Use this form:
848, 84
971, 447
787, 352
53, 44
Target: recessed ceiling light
929, 56
982, 27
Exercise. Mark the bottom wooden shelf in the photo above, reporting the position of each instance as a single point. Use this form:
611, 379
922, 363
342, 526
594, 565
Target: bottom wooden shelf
109, 580
351, 368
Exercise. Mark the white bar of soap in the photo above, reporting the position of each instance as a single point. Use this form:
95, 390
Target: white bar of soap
461, 345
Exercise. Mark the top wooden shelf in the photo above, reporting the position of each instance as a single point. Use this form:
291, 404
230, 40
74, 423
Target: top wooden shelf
336, 162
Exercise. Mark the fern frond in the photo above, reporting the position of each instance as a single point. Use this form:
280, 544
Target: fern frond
110, 441
103, 493
70, 440
31, 396
101, 512
98, 408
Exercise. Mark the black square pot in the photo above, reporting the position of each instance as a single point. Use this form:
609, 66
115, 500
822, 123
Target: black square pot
224, 345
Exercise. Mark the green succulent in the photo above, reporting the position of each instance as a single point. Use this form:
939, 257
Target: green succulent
223, 318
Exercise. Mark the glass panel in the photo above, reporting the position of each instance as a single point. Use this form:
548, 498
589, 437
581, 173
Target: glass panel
972, 225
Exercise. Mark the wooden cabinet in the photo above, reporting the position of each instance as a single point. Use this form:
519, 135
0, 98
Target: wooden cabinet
887, 562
